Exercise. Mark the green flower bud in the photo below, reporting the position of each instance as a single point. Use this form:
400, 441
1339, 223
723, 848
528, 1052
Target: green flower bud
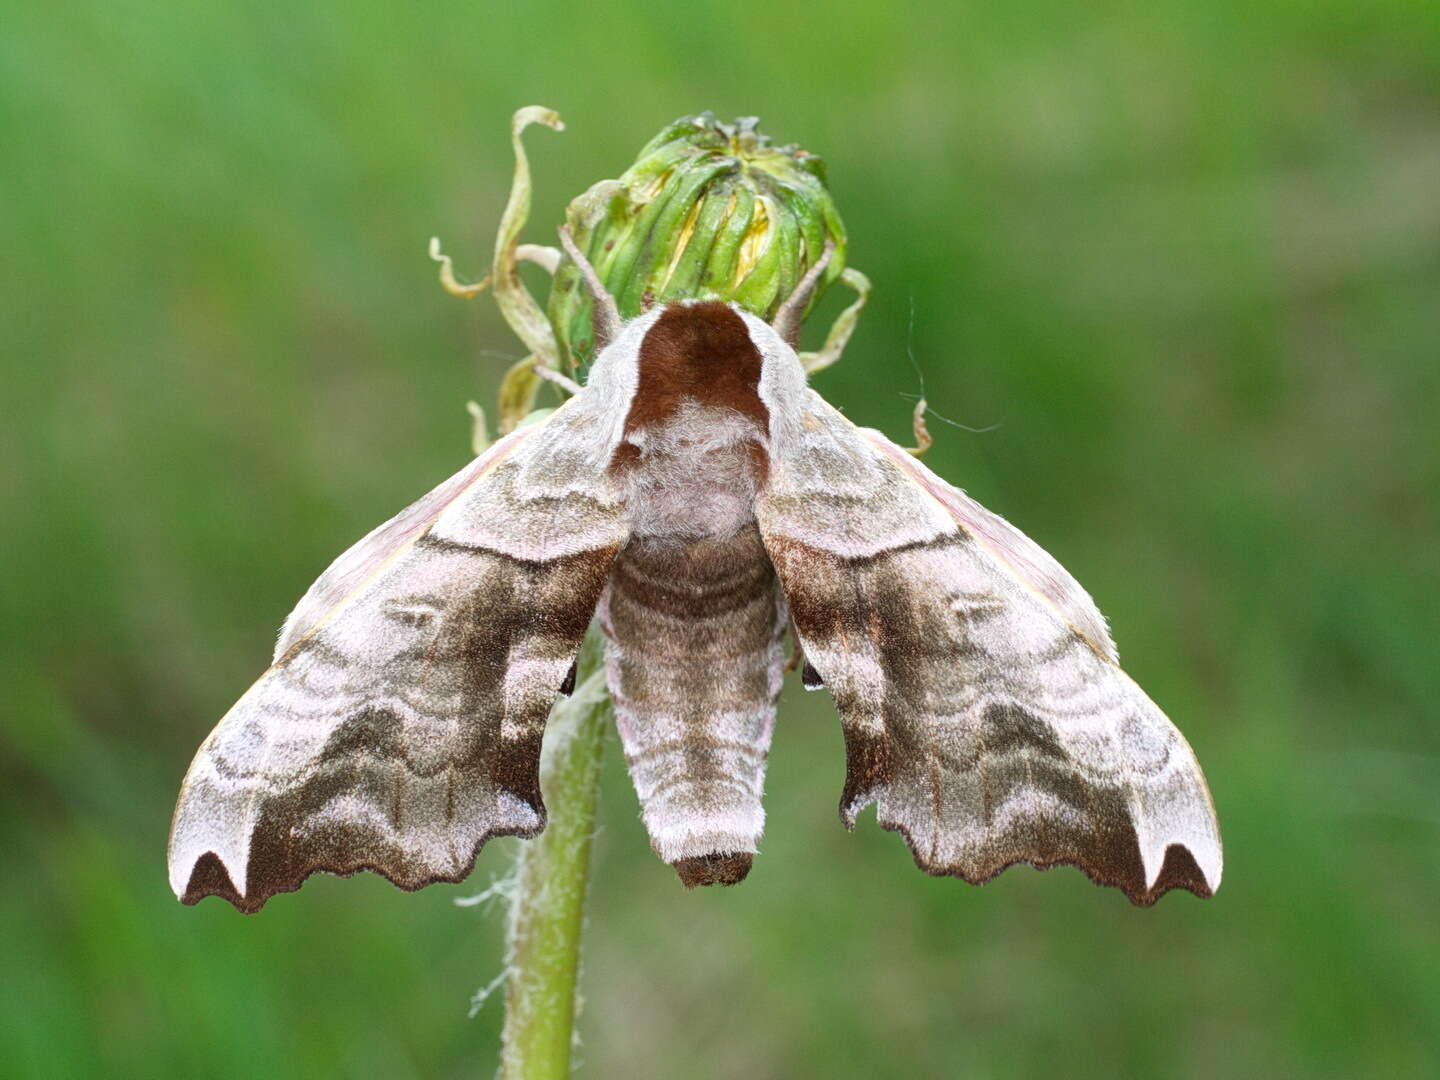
709, 210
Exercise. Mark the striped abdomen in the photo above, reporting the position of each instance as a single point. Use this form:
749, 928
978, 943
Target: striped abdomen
692, 612
695, 661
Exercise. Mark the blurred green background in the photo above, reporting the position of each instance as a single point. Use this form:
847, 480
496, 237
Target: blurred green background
1186, 256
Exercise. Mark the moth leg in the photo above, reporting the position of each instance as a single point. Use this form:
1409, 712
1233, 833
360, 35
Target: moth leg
842, 327
923, 441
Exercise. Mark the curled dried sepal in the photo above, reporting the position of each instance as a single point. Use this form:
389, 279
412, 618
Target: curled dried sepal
517, 393
448, 281
923, 439
539, 254
516, 304
842, 327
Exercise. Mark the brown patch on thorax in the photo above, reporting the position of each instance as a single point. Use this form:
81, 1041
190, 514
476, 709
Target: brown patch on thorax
701, 353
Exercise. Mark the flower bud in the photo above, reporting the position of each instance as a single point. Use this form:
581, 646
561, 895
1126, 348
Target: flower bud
708, 210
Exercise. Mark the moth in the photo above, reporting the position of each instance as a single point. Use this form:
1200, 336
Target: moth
699, 499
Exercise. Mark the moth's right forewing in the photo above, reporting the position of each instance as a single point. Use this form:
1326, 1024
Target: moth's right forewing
400, 725
985, 723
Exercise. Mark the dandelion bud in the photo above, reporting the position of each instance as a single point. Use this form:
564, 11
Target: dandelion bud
708, 210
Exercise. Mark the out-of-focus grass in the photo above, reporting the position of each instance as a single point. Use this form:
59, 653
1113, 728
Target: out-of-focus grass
1187, 256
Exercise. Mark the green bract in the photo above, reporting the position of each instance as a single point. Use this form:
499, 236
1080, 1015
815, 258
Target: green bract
708, 210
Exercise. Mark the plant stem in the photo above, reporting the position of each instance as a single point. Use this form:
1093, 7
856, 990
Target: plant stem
547, 910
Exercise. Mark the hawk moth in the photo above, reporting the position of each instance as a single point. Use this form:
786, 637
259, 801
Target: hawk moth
699, 499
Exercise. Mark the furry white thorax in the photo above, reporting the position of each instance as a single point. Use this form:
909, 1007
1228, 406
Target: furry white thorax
695, 476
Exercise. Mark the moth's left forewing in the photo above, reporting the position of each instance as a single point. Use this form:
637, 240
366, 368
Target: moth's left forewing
400, 724
982, 710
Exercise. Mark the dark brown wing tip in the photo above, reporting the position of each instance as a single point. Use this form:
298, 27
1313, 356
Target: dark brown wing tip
209, 877
1179, 871
728, 868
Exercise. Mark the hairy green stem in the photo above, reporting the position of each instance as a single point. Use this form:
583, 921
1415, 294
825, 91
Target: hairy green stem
547, 911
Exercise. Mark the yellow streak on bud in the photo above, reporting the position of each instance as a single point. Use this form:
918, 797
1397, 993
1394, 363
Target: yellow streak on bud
687, 230
652, 189
754, 242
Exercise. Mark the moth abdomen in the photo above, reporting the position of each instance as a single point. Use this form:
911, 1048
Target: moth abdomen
695, 661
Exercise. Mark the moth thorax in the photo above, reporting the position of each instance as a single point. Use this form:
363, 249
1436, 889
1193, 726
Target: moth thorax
693, 474
694, 449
